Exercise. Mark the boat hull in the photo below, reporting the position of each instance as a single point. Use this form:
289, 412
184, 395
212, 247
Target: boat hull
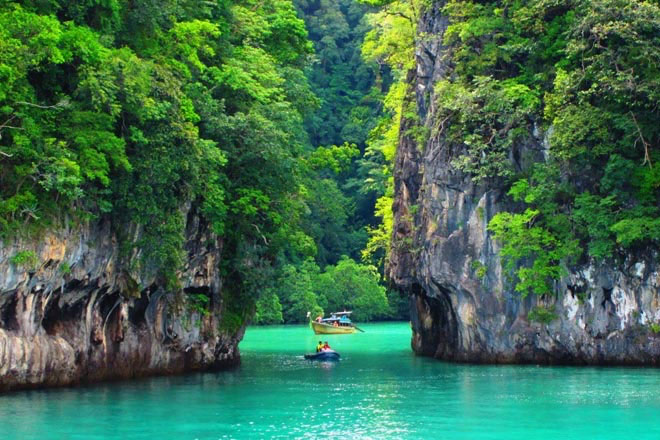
325, 329
328, 355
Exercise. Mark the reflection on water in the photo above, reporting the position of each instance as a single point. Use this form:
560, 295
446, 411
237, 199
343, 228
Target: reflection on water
378, 390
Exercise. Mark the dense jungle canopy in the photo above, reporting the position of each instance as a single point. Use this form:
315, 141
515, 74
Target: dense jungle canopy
278, 121
257, 113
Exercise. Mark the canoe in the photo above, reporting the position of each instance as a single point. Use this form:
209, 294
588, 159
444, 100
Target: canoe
328, 355
321, 328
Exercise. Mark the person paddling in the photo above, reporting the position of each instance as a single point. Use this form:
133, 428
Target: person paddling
319, 347
326, 346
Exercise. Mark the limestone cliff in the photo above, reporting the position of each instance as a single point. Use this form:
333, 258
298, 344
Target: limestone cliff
75, 313
601, 313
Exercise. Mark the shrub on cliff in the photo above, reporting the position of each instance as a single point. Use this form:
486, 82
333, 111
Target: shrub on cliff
582, 77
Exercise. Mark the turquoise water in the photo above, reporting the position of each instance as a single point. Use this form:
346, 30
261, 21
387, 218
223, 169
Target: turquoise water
378, 390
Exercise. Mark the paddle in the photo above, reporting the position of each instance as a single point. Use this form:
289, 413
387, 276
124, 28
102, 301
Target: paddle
358, 328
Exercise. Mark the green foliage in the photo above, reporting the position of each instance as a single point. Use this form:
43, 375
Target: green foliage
543, 315
380, 237
353, 286
55, 146
154, 114
334, 158
65, 268
345, 180
539, 240
363, 54
567, 73
269, 309
199, 303
295, 289
480, 213
305, 288
595, 215
330, 211
637, 230
489, 117
343, 81
230, 322
25, 259
655, 327
399, 305
393, 36
392, 42
133, 112
480, 269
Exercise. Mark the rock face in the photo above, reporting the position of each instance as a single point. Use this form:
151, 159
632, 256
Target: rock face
74, 314
463, 306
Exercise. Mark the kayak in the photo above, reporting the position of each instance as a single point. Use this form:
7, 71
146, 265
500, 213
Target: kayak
328, 355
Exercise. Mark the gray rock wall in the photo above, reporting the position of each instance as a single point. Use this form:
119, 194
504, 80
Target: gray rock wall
604, 314
77, 314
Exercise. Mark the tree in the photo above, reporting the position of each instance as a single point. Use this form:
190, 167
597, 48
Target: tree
269, 309
295, 288
353, 286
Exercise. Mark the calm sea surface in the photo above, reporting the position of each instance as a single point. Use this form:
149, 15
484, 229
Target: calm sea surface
379, 390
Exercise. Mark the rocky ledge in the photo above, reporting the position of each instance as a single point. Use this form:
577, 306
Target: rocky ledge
71, 313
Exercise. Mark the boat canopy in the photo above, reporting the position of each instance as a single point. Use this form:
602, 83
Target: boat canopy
331, 319
342, 319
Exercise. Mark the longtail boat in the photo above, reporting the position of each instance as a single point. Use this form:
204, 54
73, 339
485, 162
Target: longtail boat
337, 324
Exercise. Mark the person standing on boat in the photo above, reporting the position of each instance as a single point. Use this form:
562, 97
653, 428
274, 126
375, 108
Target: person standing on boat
319, 347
